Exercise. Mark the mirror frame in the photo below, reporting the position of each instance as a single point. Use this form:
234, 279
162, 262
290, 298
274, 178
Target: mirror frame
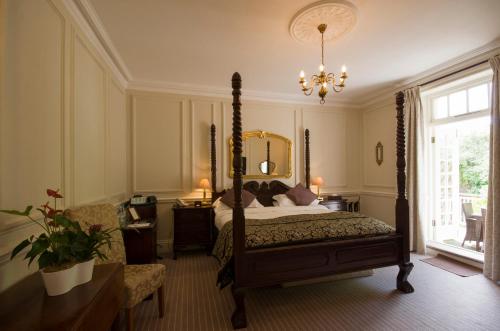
261, 135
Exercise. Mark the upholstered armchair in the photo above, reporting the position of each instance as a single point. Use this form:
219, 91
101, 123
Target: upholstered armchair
140, 280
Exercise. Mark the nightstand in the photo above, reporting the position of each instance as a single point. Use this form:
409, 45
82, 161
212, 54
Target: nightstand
334, 203
192, 226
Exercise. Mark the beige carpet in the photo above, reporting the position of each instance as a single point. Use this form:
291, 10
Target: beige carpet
442, 301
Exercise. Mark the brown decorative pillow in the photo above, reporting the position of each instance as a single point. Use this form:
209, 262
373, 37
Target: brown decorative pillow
246, 197
301, 195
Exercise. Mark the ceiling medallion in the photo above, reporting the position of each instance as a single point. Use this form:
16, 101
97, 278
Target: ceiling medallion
339, 15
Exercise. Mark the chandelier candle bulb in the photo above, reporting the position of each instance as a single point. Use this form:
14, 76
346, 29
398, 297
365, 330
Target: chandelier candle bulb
302, 74
321, 68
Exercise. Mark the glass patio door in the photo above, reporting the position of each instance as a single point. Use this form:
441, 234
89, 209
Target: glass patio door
446, 211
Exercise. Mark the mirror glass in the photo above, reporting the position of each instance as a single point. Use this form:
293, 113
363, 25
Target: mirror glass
265, 155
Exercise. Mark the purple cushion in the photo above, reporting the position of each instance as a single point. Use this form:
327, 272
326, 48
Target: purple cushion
301, 195
246, 198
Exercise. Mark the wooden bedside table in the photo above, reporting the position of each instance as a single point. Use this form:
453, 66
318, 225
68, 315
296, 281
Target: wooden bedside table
335, 203
192, 226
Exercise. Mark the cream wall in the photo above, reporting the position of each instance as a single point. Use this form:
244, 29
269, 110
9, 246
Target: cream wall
63, 120
378, 189
171, 144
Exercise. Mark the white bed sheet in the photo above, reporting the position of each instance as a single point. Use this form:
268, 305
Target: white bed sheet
226, 215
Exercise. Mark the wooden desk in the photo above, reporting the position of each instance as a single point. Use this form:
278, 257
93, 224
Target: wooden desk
91, 306
140, 243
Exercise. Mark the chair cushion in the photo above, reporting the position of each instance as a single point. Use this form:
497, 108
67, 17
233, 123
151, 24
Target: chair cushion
141, 280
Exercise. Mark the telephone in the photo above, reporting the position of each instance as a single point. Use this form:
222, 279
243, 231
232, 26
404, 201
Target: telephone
141, 200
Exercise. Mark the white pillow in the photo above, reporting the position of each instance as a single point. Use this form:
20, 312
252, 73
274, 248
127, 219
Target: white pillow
219, 205
283, 200
255, 204
314, 203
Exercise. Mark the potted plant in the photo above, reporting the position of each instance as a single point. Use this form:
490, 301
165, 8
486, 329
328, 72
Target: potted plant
65, 252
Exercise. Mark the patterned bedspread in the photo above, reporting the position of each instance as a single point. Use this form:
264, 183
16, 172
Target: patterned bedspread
294, 229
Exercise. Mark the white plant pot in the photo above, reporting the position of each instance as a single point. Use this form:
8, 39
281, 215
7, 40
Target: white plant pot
60, 282
84, 272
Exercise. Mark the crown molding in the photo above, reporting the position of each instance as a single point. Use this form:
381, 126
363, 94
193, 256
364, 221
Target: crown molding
463, 61
89, 22
225, 92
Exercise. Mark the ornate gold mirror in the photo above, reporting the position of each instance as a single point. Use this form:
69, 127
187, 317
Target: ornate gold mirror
265, 155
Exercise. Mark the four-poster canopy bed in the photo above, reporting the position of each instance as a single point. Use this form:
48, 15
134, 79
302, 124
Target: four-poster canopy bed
253, 267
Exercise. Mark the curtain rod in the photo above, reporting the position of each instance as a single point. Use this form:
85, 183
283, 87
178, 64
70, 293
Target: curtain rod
453, 73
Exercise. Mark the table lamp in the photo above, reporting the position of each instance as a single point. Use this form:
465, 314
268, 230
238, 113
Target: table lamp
318, 181
204, 184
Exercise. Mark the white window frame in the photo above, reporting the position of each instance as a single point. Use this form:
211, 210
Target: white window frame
430, 97
427, 97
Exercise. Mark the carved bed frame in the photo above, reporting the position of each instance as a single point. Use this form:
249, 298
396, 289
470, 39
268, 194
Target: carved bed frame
260, 267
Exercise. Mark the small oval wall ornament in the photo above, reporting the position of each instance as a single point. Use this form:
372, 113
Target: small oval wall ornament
379, 153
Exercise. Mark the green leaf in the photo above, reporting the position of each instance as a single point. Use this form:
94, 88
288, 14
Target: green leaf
26, 212
19, 248
37, 247
46, 259
65, 222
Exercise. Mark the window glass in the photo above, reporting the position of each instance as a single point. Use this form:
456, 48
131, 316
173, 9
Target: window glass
440, 107
478, 98
458, 103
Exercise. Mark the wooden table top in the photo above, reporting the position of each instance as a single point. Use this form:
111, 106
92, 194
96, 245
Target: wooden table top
26, 305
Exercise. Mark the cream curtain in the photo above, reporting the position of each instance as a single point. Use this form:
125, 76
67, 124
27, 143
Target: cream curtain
415, 169
492, 223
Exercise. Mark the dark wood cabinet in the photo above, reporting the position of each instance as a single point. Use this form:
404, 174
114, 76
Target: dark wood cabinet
140, 243
192, 226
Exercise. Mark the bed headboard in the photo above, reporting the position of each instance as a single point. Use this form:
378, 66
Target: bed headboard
265, 191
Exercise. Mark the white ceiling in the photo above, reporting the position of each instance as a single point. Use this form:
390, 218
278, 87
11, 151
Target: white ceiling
202, 42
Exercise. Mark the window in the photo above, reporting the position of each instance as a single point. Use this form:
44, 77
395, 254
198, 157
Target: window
457, 122
460, 102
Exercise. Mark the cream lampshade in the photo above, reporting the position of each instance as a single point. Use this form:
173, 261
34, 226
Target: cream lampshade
204, 184
318, 181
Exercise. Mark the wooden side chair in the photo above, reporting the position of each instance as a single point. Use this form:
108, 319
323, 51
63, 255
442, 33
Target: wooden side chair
142, 280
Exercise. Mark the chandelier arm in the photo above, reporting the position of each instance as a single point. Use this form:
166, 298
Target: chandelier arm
309, 91
337, 88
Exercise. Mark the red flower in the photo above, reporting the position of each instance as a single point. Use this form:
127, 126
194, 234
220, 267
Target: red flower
54, 194
53, 224
95, 228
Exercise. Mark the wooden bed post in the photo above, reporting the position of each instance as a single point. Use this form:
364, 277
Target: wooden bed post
308, 159
402, 209
239, 317
213, 161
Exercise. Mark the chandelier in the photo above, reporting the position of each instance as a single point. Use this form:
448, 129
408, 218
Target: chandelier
323, 79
